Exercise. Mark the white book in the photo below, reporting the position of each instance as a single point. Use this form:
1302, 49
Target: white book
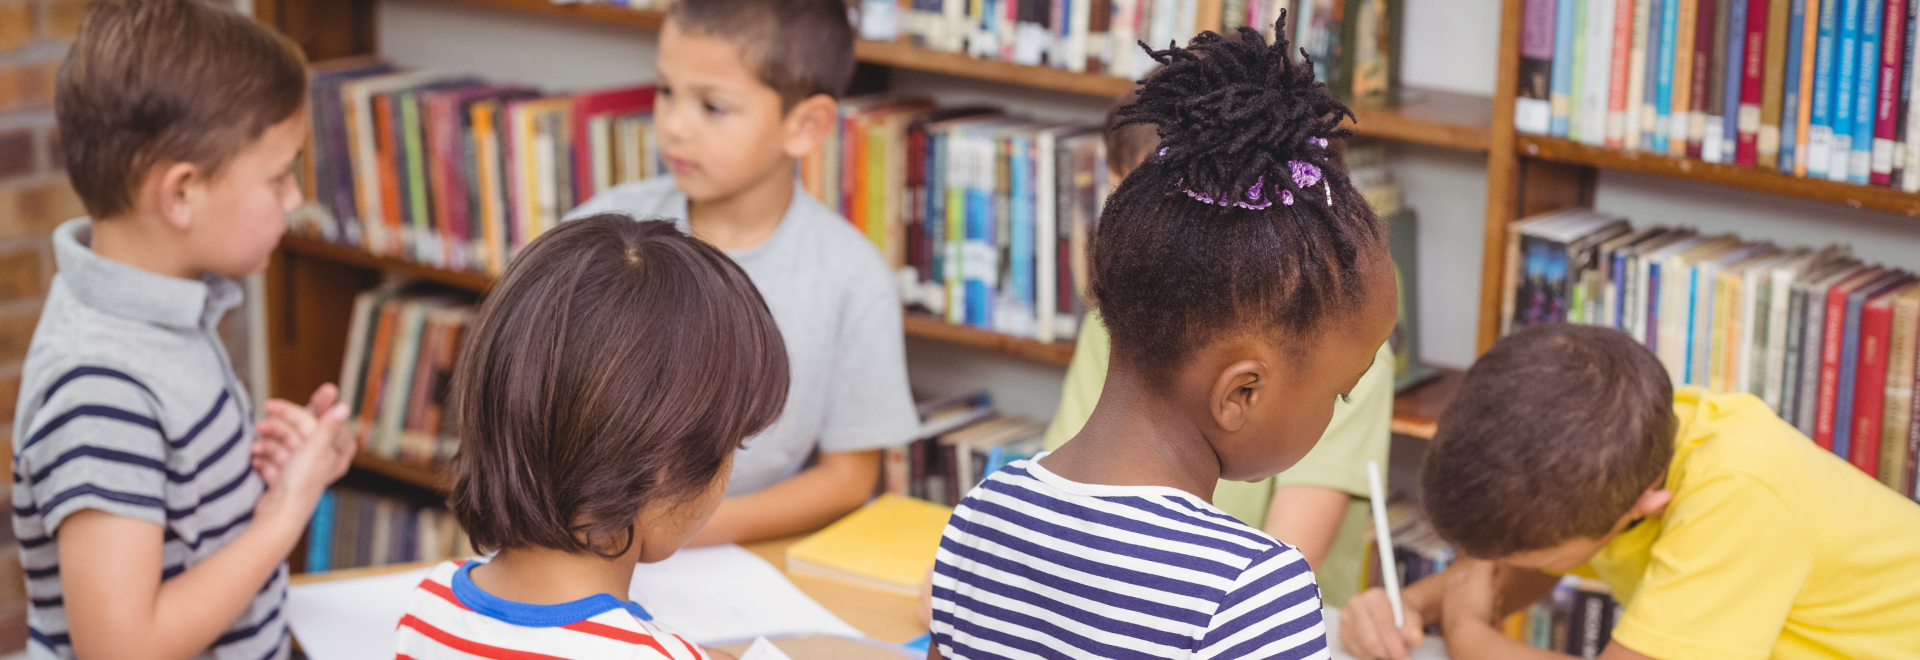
1597, 82
1637, 74
1840, 156
1713, 144
1750, 312
1045, 231
1183, 25
952, 35
1819, 150
600, 148
1077, 23
1910, 177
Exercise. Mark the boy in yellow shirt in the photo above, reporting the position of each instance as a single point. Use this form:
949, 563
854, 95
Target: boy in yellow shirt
1724, 531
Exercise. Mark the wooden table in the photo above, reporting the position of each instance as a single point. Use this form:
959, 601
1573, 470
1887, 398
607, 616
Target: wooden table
887, 617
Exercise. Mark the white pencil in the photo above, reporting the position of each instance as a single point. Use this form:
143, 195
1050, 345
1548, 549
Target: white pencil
1384, 541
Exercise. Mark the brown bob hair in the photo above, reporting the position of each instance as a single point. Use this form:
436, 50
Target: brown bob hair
1554, 434
617, 364
156, 81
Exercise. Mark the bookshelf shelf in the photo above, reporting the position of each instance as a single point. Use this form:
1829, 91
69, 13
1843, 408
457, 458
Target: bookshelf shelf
1431, 117
312, 247
1845, 194
928, 327
1416, 412
430, 478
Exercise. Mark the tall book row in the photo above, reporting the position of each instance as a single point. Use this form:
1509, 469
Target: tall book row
1812, 88
985, 216
962, 440
401, 345
1577, 619
353, 529
1826, 340
456, 172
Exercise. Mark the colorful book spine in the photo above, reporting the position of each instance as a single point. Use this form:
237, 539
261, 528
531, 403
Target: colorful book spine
1903, 98
1680, 115
1845, 95
1773, 83
1565, 21
1909, 179
1892, 48
1866, 92
1595, 85
1820, 134
1706, 55
1533, 105
1746, 114
1734, 68
1870, 384
1662, 62
1792, 100
1640, 14
1833, 322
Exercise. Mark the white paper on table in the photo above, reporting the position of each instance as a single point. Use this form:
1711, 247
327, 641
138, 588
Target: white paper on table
710, 595
764, 650
1431, 649
725, 594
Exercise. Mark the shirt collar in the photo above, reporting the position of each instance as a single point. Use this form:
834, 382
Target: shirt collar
536, 616
126, 291
798, 204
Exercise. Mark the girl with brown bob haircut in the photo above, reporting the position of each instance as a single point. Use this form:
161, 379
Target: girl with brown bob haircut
599, 398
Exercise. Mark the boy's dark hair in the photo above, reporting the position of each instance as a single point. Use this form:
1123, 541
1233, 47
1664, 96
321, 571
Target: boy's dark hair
1553, 436
616, 364
1128, 145
799, 47
153, 81
1218, 230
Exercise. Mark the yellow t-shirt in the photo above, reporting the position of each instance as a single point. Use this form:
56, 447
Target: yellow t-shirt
1770, 548
1360, 430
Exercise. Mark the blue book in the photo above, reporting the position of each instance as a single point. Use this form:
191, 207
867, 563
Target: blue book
1790, 98
1849, 354
1652, 340
1735, 73
936, 216
1620, 286
1020, 219
1663, 71
980, 256
1693, 321
1846, 58
1866, 89
1820, 119
320, 534
1562, 83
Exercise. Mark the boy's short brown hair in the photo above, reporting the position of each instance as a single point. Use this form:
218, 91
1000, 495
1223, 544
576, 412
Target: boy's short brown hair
1553, 436
616, 364
799, 47
154, 81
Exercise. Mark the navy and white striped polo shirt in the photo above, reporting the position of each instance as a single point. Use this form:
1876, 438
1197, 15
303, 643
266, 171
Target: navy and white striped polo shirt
128, 405
1035, 566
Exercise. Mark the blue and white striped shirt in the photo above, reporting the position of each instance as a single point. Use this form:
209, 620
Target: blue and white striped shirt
129, 405
1035, 566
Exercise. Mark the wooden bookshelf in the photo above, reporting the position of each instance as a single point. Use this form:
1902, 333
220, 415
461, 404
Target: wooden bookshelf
470, 281
1750, 178
431, 478
928, 327
1432, 117
1416, 412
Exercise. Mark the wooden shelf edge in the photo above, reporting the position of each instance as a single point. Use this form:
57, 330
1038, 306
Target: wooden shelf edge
476, 282
927, 327
1832, 192
1432, 117
430, 478
1416, 412
908, 56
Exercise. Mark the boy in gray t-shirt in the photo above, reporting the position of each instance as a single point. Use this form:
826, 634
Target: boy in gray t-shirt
738, 105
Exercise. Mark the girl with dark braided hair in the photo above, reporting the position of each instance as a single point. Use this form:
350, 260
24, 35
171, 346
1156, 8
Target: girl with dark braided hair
1247, 287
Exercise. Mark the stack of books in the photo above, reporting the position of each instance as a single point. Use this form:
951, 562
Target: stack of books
459, 173
352, 529
1813, 88
1577, 619
401, 344
962, 440
1826, 340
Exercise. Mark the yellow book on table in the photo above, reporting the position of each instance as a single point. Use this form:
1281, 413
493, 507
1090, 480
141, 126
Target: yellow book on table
886, 545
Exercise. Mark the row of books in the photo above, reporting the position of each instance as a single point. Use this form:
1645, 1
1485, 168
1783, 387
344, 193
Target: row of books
352, 529
1826, 340
1814, 88
1577, 619
984, 215
962, 439
457, 172
1354, 43
401, 344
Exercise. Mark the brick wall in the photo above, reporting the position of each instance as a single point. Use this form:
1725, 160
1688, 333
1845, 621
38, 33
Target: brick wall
34, 197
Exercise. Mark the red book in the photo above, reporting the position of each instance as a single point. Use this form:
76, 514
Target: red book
1701, 78
1870, 378
1747, 129
586, 106
1617, 86
1886, 100
1830, 341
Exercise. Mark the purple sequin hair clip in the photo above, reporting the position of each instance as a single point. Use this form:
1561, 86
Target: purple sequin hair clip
1303, 173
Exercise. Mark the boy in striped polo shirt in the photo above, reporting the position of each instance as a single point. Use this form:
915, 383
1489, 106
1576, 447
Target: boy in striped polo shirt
1247, 288
145, 529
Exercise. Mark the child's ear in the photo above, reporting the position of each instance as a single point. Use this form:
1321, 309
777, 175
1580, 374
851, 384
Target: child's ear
809, 123
174, 188
1236, 392
1653, 502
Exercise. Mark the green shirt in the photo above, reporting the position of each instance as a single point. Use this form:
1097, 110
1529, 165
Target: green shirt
1360, 431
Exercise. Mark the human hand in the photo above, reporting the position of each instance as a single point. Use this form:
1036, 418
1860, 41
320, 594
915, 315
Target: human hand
1367, 631
1473, 594
320, 454
271, 450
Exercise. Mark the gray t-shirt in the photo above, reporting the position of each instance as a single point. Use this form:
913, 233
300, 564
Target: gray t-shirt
835, 302
128, 405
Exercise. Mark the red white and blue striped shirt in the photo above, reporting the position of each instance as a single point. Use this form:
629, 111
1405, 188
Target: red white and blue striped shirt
449, 617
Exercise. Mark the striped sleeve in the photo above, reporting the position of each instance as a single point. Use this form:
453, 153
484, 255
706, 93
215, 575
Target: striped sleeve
1272, 611
95, 443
